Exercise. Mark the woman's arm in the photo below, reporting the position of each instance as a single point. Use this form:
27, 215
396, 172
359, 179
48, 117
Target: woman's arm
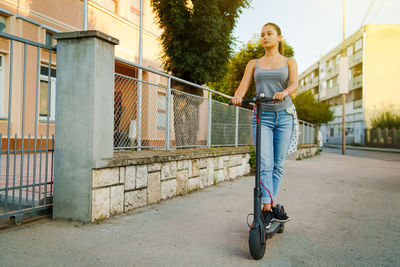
293, 81
245, 83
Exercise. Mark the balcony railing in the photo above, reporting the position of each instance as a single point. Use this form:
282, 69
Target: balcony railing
356, 82
355, 59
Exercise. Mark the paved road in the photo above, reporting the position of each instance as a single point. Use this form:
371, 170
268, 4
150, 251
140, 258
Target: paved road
344, 212
365, 154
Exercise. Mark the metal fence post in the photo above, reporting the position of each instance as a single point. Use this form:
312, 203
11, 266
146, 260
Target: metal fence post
139, 132
386, 136
237, 126
167, 135
379, 136
393, 136
209, 120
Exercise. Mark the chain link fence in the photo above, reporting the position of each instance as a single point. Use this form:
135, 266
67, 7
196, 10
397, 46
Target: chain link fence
173, 118
170, 117
189, 115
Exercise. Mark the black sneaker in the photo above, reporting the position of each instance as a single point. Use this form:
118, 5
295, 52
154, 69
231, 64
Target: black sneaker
267, 217
279, 214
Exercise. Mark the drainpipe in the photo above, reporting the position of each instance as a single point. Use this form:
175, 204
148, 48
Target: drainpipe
85, 15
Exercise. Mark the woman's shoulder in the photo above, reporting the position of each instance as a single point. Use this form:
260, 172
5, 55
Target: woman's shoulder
252, 63
290, 60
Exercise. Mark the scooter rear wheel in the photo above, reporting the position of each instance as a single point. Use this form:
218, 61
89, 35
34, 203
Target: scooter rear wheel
257, 250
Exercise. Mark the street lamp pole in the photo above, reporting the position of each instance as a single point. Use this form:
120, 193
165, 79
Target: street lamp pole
343, 94
140, 78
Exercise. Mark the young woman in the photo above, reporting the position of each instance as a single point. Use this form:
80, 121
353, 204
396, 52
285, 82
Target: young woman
276, 76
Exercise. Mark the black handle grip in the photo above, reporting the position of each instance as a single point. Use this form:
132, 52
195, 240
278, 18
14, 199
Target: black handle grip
255, 99
244, 101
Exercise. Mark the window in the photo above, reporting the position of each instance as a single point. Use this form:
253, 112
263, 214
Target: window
349, 50
358, 45
330, 83
312, 75
357, 104
47, 103
108, 4
330, 64
337, 58
3, 25
350, 74
135, 6
358, 94
161, 110
322, 70
2, 107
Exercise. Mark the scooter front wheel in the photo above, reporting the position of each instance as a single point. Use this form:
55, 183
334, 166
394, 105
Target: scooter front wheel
257, 249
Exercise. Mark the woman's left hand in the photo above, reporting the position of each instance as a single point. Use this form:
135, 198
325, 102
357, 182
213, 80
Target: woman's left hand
280, 96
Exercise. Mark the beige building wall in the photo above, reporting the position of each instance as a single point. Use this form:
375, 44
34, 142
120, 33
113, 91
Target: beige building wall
381, 70
37, 19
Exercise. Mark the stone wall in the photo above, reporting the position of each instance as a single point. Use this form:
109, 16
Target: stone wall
136, 179
306, 151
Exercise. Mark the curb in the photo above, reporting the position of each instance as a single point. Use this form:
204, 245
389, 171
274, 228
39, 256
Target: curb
378, 149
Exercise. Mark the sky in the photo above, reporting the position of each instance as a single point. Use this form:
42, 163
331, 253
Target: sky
313, 27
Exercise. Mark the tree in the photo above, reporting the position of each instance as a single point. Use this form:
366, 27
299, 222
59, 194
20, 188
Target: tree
196, 43
230, 82
386, 119
196, 38
308, 109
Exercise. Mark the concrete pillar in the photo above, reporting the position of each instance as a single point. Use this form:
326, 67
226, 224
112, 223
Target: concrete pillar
84, 118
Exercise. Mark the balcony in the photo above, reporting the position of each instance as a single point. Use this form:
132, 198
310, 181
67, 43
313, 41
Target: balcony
356, 82
356, 58
332, 71
311, 84
315, 81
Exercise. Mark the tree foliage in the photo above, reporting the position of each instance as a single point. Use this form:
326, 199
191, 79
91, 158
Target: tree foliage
237, 65
308, 109
196, 38
386, 119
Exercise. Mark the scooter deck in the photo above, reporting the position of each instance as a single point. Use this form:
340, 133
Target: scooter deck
275, 226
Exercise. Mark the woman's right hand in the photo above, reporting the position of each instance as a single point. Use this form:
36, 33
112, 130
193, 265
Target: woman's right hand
237, 101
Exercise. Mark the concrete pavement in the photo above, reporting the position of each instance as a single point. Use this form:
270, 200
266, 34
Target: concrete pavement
344, 212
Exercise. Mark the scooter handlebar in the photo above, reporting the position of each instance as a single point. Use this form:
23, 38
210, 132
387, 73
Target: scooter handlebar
260, 99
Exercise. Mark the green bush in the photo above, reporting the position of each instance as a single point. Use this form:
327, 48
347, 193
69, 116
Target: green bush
386, 119
252, 160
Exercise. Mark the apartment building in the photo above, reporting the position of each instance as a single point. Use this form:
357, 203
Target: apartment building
39, 20
374, 78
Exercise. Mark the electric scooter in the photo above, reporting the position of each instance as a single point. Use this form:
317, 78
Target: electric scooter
258, 234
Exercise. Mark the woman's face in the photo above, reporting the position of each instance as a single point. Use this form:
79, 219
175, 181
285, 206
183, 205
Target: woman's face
270, 37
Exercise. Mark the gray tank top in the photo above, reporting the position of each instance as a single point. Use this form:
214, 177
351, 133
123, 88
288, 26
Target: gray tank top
271, 81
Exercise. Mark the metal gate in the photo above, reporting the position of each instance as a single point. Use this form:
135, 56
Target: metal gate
27, 120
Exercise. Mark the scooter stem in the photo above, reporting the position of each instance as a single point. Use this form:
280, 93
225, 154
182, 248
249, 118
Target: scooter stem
257, 189
258, 221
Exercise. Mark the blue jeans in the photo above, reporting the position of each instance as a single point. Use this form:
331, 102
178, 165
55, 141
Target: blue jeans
276, 133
